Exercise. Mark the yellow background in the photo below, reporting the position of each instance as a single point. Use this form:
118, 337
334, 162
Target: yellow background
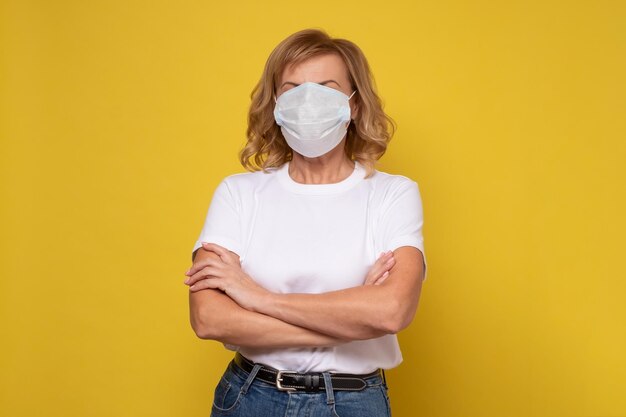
119, 118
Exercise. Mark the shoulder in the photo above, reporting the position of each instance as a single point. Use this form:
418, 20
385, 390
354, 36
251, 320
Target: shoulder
389, 186
396, 199
245, 182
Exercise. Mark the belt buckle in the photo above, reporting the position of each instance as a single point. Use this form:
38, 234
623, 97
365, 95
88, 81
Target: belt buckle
279, 380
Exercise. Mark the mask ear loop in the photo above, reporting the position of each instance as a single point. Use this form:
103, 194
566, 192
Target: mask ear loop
349, 100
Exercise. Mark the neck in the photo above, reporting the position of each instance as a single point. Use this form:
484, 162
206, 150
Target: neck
330, 168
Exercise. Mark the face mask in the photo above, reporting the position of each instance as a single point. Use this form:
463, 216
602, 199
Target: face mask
313, 118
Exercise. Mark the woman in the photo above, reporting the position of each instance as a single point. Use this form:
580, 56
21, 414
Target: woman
285, 269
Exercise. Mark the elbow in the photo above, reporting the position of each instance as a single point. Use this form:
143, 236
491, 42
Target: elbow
203, 328
200, 328
397, 318
202, 332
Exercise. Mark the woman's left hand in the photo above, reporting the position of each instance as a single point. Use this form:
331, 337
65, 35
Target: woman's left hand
225, 274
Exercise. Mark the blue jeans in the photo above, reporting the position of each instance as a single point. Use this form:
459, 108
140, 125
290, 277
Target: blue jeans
240, 394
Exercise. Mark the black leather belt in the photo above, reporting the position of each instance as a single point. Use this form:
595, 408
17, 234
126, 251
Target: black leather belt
311, 381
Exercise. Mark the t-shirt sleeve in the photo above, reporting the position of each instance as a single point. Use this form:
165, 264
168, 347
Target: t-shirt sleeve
403, 219
222, 224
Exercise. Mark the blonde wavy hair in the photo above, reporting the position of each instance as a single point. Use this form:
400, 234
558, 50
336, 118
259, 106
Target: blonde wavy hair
368, 133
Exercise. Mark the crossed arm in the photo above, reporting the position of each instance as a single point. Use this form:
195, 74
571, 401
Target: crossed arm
214, 315
228, 306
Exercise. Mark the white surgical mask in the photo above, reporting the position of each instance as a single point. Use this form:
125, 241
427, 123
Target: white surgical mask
313, 118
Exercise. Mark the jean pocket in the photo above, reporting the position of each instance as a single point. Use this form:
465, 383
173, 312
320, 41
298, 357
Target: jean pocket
226, 397
385, 391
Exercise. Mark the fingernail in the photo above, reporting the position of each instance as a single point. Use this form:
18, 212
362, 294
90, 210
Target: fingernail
192, 287
187, 281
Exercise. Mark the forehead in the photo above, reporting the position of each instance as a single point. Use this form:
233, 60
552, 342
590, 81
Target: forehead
317, 68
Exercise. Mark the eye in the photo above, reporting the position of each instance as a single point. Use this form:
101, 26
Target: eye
284, 88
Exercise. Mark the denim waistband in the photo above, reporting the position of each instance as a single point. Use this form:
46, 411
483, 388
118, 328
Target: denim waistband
235, 369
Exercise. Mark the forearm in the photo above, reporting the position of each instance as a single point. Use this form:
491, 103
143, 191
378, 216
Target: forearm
357, 313
217, 317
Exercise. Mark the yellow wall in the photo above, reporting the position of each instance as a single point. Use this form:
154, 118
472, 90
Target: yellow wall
119, 118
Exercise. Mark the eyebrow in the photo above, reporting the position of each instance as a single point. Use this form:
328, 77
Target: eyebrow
322, 83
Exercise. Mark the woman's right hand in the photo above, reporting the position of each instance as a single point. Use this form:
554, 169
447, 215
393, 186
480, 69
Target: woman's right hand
380, 270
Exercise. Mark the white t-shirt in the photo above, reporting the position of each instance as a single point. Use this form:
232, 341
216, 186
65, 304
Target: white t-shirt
313, 238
